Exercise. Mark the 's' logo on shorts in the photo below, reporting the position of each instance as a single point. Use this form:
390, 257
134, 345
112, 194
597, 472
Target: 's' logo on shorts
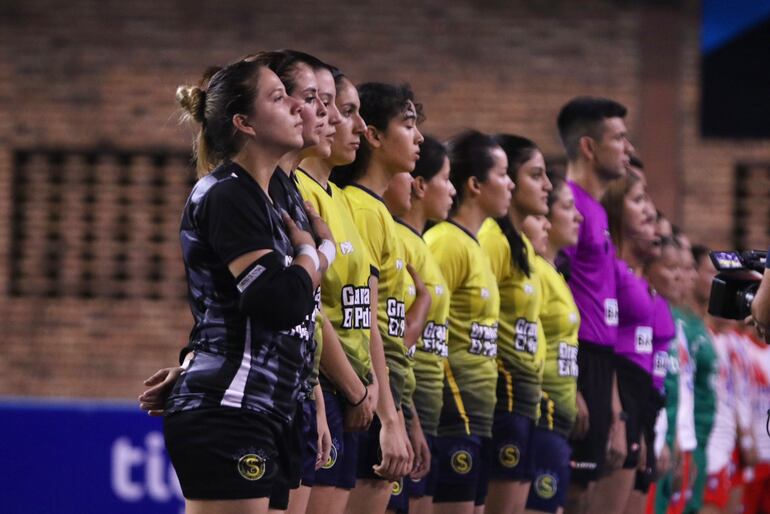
398, 486
509, 456
329, 464
251, 466
546, 486
461, 462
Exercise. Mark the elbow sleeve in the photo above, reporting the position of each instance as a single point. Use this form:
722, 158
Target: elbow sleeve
278, 297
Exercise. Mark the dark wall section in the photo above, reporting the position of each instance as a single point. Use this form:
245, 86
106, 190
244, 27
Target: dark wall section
736, 86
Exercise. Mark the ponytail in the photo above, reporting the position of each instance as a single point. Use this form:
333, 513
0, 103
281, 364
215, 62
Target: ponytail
516, 242
228, 91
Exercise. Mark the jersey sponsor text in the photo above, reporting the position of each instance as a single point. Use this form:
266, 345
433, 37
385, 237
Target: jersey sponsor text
356, 308
396, 313
526, 336
483, 340
568, 366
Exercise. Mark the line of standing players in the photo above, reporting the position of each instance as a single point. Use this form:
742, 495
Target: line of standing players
386, 322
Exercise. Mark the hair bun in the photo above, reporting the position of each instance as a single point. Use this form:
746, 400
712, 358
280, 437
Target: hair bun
193, 101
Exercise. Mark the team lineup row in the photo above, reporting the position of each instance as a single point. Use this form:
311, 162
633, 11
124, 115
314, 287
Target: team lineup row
513, 356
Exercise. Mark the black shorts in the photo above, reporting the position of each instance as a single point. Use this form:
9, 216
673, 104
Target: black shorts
303, 452
552, 473
596, 367
399, 497
340, 470
426, 486
369, 452
227, 453
487, 451
309, 445
634, 389
513, 447
645, 478
463, 469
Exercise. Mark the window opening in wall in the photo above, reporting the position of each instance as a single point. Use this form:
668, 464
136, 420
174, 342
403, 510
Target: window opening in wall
97, 223
751, 206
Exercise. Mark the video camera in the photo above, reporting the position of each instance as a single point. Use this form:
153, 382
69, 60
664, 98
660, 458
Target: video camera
736, 283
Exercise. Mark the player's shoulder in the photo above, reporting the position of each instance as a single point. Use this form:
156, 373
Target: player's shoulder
447, 238
363, 203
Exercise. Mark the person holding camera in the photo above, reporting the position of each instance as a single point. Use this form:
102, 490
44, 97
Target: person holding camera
760, 307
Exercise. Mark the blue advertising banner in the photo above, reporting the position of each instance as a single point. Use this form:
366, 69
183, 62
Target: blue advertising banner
83, 457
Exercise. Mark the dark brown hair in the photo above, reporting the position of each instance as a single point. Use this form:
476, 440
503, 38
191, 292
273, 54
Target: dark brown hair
380, 104
518, 150
222, 93
613, 201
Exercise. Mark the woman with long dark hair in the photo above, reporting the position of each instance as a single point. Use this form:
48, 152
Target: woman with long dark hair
252, 274
521, 353
390, 147
348, 383
560, 320
431, 194
632, 229
478, 171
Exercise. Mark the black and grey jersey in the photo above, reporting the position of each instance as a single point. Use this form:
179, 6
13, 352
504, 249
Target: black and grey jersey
238, 361
285, 194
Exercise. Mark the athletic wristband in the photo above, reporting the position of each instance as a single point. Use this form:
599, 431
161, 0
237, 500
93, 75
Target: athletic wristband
328, 250
306, 249
359, 402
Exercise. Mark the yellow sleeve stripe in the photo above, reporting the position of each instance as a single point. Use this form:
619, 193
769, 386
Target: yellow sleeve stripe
456, 394
550, 406
508, 383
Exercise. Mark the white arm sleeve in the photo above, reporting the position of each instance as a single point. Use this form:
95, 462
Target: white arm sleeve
661, 427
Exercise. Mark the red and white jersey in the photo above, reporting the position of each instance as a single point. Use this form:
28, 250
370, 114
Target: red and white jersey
758, 354
746, 390
723, 434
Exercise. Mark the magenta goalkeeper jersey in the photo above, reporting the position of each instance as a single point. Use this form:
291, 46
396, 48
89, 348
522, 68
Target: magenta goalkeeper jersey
636, 308
592, 273
663, 332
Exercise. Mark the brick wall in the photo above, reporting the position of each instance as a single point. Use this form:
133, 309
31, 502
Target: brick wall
708, 178
101, 75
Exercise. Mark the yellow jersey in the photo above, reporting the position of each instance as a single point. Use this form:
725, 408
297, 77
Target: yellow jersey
561, 321
410, 382
345, 297
378, 231
431, 351
474, 307
521, 354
